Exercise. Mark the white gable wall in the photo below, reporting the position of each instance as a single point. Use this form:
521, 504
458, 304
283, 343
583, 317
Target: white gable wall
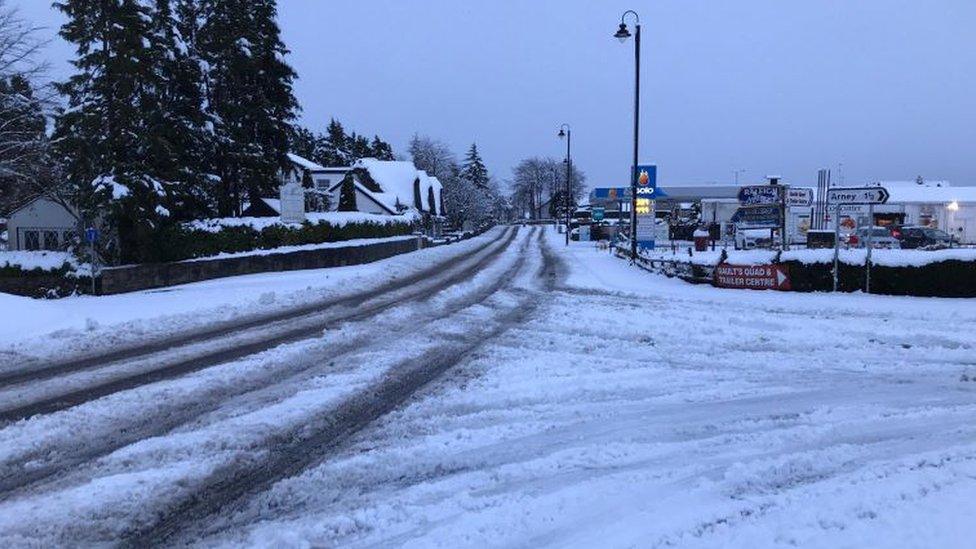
42, 224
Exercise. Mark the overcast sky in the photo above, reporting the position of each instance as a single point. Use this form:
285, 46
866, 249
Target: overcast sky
885, 87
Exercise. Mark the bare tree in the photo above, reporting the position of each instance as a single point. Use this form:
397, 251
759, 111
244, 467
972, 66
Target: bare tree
538, 182
25, 160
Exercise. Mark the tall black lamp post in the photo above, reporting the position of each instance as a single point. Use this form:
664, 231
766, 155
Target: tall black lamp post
566, 132
623, 34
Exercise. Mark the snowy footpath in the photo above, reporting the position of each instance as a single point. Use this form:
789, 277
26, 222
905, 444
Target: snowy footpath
529, 395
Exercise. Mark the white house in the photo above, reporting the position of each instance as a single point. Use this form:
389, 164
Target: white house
303, 170
390, 187
41, 224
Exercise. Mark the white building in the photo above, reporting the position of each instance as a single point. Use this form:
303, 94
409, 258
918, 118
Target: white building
41, 224
935, 204
390, 187
304, 172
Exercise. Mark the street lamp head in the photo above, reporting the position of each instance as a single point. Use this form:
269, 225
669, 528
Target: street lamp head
622, 33
562, 133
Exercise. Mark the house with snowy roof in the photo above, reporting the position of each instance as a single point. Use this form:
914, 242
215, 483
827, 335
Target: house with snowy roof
388, 187
312, 174
41, 223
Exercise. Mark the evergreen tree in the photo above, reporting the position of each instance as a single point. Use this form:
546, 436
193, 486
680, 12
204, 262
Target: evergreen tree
335, 145
359, 147
304, 143
176, 126
347, 195
474, 169
249, 94
381, 150
104, 133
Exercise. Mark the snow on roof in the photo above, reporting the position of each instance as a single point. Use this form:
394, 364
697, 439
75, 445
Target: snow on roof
911, 183
305, 163
396, 179
916, 193
273, 203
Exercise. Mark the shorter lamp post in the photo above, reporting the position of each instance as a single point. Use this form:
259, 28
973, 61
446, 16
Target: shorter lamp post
566, 132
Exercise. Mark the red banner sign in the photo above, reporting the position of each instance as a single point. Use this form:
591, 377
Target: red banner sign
752, 277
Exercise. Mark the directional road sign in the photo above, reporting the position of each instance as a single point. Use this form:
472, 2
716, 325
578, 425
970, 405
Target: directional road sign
753, 277
857, 195
598, 214
758, 217
799, 197
759, 195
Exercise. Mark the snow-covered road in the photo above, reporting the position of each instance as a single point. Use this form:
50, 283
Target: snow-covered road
556, 398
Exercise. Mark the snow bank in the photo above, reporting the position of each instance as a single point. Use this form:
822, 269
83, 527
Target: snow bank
336, 219
45, 261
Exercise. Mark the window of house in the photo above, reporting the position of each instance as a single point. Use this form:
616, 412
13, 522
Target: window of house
67, 239
32, 240
51, 240
323, 184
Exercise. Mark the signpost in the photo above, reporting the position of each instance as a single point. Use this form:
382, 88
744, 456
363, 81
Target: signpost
760, 195
841, 196
91, 236
646, 176
857, 195
645, 224
752, 277
799, 197
758, 217
647, 181
763, 207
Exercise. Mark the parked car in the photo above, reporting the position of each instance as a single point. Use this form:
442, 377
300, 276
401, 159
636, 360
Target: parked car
911, 236
881, 238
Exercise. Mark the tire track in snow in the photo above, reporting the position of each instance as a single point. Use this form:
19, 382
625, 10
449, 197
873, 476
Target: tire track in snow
29, 470
291, 452
10, 377
73, 397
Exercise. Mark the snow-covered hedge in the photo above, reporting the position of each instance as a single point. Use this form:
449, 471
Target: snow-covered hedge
884, 258
19, 263
940, 273
213, 237
335, 219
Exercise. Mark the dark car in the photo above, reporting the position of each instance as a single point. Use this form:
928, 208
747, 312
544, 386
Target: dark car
922, 237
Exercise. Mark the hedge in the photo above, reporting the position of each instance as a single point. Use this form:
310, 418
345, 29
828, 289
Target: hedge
181, 243
952, 278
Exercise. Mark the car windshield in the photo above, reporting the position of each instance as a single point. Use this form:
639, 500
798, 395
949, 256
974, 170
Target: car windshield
935, 233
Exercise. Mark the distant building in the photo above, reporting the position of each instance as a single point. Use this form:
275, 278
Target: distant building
936, 204
41, 224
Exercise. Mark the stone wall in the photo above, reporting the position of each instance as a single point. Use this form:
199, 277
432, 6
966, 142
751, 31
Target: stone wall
118, 280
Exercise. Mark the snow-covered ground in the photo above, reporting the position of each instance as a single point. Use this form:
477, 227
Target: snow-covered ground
618, 409
45, 328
